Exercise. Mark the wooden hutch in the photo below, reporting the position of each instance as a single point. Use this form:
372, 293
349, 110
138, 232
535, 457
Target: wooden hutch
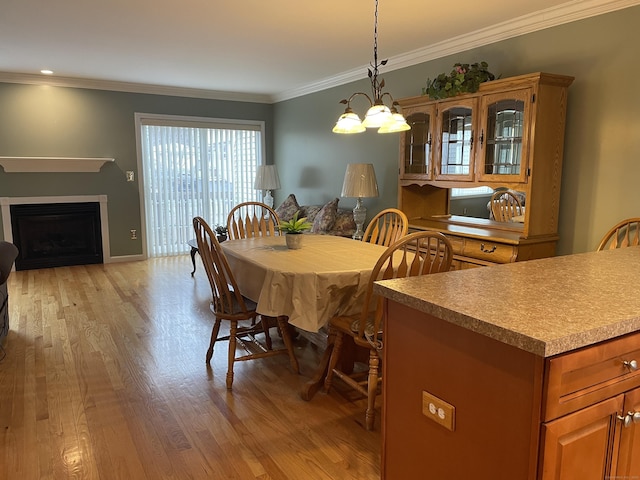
508, 134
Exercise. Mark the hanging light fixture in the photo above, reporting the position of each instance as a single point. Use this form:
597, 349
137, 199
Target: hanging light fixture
385, 119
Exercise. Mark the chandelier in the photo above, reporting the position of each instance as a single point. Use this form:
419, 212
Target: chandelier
385, 119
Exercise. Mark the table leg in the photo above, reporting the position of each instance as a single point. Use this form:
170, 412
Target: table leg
193, 259
310, 388
349, 354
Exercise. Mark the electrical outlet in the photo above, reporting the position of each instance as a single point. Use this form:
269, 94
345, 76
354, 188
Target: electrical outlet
134, 234
130, 176
439, 411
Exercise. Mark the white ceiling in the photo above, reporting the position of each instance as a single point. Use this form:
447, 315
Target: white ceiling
254, 49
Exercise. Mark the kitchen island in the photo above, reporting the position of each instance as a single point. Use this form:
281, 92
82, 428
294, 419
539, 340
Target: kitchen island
519, 371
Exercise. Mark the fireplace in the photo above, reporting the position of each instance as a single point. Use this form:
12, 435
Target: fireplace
56, 234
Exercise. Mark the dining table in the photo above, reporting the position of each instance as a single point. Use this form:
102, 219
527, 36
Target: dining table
327, 276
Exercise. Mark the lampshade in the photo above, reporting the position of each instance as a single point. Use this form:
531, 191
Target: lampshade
376, 116
267, 178
360, 181
396, 123
349, 122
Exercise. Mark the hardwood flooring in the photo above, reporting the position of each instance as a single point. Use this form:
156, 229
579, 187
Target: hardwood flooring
104, 377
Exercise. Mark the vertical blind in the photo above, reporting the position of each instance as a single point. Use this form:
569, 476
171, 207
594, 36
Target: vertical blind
193, 171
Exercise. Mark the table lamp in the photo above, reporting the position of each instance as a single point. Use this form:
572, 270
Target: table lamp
359, 182
267, 179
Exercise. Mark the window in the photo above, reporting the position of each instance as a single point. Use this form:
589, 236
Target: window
471, 192
194, 167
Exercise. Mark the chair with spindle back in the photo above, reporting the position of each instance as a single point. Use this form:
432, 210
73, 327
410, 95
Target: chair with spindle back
625, 233
386, 227
505, 205
228, 304
252, 219
419, 253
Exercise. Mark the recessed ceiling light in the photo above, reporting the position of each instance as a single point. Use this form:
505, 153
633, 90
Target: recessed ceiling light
46, 72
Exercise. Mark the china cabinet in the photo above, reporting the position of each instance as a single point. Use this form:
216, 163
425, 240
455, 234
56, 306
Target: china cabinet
509, 134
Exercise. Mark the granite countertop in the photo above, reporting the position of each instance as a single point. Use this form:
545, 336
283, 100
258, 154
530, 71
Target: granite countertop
546, 307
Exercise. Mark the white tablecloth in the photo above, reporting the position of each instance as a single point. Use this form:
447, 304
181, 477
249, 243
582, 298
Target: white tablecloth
327, 276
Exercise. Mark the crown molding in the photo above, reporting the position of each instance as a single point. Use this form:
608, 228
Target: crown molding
129, 87
551, 17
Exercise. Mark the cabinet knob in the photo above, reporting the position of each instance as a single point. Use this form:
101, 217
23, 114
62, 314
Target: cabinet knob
626, 419
631, 365
636, 417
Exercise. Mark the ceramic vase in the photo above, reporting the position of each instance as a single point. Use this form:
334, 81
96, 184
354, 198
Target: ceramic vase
294, 240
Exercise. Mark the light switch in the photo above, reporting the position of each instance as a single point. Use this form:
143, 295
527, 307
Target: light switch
130, 176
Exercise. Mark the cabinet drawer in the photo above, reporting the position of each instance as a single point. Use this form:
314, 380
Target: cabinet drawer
457, 244
489, 251
584, 377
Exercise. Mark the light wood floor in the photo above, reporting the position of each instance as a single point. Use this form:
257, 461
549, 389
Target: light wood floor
105, 378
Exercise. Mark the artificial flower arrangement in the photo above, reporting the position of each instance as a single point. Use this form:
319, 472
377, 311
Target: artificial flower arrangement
464, 78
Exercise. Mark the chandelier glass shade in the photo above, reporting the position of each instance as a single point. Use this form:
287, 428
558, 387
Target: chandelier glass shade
385, 119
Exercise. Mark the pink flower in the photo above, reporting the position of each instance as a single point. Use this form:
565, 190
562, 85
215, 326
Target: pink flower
460, 70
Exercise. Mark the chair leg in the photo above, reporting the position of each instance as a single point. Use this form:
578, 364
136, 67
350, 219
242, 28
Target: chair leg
232, 352
283, 325
333, 361
372, 388
214, 336
265, 322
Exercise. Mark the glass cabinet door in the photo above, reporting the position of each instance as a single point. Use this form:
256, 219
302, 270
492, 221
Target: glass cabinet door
503, 136
455, 140
416, 144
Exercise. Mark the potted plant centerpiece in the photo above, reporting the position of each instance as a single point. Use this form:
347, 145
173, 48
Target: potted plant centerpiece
293, 230
221, 232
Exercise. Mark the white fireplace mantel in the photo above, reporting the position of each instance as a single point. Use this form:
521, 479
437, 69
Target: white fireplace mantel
52, 164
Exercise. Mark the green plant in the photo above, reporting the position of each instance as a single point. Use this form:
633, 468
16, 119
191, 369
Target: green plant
221, 229
464, 78
295, 225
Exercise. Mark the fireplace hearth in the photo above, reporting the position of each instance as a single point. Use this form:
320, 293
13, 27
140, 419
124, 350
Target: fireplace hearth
56, 234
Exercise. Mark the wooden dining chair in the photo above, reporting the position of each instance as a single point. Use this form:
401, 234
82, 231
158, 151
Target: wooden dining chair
252, 219
386, 227
625, 233
416, 254
505, 205
228, 304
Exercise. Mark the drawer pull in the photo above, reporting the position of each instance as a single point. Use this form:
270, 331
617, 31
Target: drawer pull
486, 250
631, 365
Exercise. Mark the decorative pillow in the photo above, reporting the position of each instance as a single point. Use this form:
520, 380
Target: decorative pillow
310, 211
326, 217
344, 225
288, 208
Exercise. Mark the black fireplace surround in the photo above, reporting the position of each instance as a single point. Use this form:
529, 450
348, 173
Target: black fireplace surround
56, 234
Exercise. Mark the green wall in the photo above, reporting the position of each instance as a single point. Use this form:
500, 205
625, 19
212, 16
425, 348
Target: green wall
602, 147
45, 121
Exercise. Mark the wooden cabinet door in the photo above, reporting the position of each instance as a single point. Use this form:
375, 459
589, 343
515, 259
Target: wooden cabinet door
416, 145
582, 445
503, 140
629, 457
456, 139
